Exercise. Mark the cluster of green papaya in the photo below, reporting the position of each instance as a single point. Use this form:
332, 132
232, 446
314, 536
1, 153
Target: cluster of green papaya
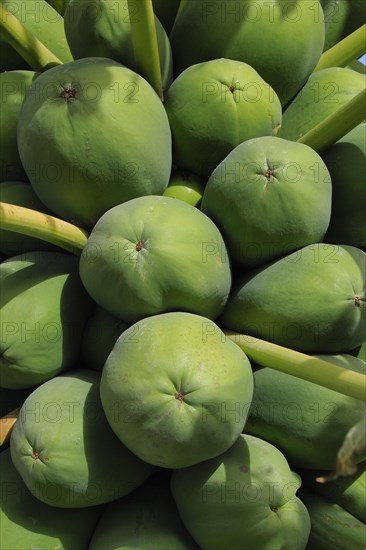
183, 275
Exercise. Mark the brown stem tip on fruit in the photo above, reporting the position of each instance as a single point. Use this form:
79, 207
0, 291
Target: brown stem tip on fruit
139, 245
35, 455
274, 509
268, 173
179, 395
68, 92
358, 300
232, 88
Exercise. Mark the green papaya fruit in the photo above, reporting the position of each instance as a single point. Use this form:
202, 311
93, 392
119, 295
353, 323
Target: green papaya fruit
331, 526
21, 194
64, 450
13, 85
42, 20
214, 106
44, 308
186, 186
188, 389
88, 115
134, 263
307, 422
26, 522
100, 334
267, 201
147, 518
346, 162
312, 300
348, 492
102, 28
324, 92
281, 40
242, 499
166, 10
341, 17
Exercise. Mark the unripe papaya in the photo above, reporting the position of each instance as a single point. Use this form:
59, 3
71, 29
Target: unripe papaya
214, 106
312, 300
64, 449
44, 308
106, 134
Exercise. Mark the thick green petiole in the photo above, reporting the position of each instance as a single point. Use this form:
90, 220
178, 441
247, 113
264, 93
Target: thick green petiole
301, 365
145, 42
42, 226
25, 43
345, 51
337, 125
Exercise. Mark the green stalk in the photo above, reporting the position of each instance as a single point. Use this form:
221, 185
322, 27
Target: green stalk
42, 226
348, 49
337, 125
25, 43
145, 43
302, 366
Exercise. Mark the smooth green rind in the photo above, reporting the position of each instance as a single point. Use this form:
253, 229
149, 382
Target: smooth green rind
282, 41
346, 162
305, 421
341, 18
28, 523
312, 300
348, 492
323, 94
38, 225
13, 85
148, 518
65, 451
175, 391
97, 155
136, 260
44, 308
42, 40
331, 526
214, 106
269, 197
20, 194
244, 498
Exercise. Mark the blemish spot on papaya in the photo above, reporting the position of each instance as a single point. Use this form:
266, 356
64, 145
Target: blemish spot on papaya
139, 245
232, 88
35, 455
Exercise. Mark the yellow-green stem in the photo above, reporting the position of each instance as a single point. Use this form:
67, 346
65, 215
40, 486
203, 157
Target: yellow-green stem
337, 125
42, 226
25, 43
302, 366
345, 51
145, 43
